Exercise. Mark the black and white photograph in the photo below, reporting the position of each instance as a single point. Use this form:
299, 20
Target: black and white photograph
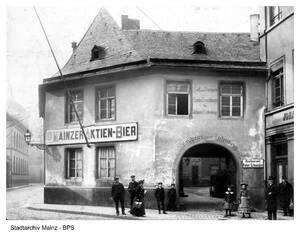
149, 112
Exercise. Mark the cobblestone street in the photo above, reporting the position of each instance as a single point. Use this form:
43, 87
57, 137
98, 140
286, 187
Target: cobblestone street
27, 204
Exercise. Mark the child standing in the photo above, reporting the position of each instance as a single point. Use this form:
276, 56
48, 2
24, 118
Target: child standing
229, 201
244, 201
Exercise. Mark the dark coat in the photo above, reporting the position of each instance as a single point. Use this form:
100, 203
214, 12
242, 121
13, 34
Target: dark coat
285, 194
229, 197
140, 193
160, 194
132, 188
118, 191
271, 197
172, 194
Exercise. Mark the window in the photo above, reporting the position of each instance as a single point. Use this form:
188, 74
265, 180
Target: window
106, 158
74, 163
199, 48
178, 98
98, 53
277, 83
231, 100
77, 97
275, 14
106, 103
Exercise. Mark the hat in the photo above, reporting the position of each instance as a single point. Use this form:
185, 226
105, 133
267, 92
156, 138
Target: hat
132, 176
117, 178
244, 184
172, 184
284, 177
141, 181
159, 183
271, 178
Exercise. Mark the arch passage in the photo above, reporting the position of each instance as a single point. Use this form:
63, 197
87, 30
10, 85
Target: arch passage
207, 166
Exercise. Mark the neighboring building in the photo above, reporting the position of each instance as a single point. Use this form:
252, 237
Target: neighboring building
16, 152
277, 49
148, 99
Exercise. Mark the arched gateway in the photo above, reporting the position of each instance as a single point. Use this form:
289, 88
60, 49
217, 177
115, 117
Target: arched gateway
202, 161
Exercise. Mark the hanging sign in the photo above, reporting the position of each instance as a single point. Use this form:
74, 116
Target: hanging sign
107, 133
253, 163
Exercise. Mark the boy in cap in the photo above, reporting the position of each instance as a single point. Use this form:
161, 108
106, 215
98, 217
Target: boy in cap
132, 190
271, 199
172, 198
160, 198
118, 194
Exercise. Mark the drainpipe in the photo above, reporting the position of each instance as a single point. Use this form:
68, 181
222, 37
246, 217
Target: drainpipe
267, 84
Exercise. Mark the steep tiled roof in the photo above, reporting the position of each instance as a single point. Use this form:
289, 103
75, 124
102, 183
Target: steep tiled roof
179, 45
126, 46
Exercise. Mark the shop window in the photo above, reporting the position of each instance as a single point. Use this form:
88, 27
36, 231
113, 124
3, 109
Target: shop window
275, 14
106, 103
74, 163
277, 84
77, 98
280, 159
231, 100
178, 98
106, 159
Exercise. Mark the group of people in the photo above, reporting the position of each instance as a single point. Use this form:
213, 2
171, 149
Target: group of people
136, 194
283, 194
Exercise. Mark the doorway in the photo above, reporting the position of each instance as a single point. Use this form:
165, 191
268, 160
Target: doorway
205, 171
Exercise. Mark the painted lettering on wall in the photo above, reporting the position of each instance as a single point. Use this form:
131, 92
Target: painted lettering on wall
107, 133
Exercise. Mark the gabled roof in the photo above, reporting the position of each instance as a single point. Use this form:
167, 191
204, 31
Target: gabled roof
103, 32
129, 46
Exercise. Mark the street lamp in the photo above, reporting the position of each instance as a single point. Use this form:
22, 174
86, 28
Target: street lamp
27, 137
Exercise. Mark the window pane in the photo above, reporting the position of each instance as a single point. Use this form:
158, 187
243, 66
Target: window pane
225, 101
225, 111
236, 89
236, 111
178, 87
72, 173
236, 101
225, 89
182, 104
111, 92
172, 104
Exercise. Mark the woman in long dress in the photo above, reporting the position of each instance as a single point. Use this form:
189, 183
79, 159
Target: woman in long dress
139, 203
244, 207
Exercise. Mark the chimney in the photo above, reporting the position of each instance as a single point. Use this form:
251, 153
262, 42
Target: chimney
74, 46
254, 22
129, 24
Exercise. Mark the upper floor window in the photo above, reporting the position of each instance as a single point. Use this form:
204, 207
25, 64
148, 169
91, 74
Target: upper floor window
106, 103
231, 100
106, 159
277, 84
98, 52
275, 14
74, 163
178, 98
77, 98
199, 48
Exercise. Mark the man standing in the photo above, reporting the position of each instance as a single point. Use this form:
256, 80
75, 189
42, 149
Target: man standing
271, 199
118, 194
132, 190
172, 198
160, 198
285, 190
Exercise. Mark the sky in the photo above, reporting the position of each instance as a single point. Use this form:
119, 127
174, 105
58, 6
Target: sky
29, 59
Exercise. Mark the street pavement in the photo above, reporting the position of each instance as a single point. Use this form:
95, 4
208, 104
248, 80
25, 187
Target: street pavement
27, 204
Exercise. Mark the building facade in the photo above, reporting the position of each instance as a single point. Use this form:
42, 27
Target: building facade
16, 153
277, 49
148, 100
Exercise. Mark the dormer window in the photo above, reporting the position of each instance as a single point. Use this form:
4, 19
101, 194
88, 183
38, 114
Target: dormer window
199, 48
98, 52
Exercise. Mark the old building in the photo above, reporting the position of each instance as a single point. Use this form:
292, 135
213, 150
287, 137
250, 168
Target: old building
277, 49
147, 99
17, 159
